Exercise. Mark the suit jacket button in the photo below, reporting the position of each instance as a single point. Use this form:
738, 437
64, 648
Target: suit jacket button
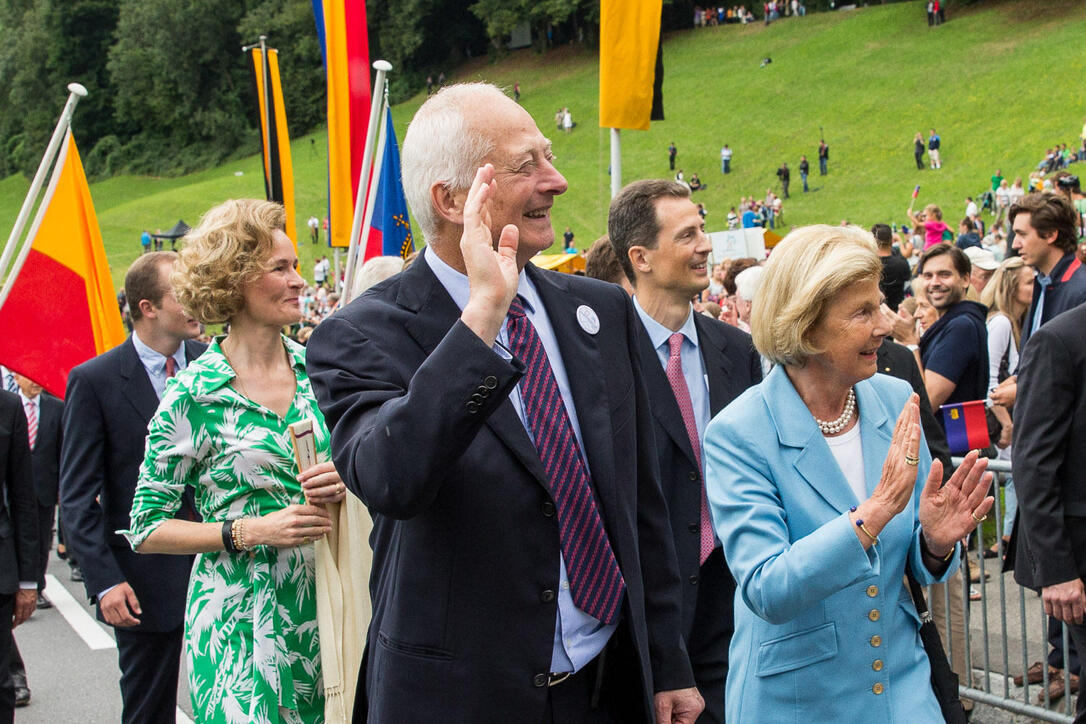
472, 406
874, 614
872, 591
876, 640
490, 382
694, 528
877, 688
547, 596
539, 680
693, 475
877, 664
693, 580
548, 509
477, 398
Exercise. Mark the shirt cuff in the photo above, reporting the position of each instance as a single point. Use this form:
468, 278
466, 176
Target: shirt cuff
28, 585
106, 590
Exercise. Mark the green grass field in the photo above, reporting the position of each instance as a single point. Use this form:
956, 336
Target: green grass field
1001, 81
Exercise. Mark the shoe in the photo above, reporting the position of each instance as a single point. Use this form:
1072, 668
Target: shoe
974, 574
1056, 690
44, 602
991, 553
62, 552
22, 696
1035, 674
77, 573
974, 594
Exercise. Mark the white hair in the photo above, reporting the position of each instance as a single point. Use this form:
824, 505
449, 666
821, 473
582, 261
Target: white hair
440, 146
377, 270
748, 281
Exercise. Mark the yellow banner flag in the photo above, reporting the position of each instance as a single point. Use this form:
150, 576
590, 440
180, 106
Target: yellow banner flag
629, 44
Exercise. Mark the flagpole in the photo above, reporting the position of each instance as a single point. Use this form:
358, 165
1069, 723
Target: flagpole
616, 162
371, 198
382, 67
75, 92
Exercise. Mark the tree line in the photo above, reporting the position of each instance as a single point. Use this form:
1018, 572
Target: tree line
171, 92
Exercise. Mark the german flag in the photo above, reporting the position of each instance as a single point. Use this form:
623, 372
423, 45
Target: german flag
341, 31
274, 138
631, 64
60, 309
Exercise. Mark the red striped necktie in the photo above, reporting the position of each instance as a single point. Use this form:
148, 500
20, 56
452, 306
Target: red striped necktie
31, 422
682, 397
596, 583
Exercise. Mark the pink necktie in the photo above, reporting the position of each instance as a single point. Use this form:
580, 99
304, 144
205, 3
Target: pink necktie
31, 423
171, 367
682, 397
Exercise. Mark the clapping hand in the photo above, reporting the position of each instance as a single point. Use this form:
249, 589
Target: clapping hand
493, 274
950, 512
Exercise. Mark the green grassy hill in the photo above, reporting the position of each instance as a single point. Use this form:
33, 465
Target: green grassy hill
1000, 81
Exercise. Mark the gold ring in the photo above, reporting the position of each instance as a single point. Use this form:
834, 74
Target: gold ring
911, 460
980, 519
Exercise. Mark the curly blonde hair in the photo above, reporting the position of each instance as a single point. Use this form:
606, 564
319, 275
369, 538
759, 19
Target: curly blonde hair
229, 249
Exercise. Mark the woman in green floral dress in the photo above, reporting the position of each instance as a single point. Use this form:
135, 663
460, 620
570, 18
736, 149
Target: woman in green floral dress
222, 429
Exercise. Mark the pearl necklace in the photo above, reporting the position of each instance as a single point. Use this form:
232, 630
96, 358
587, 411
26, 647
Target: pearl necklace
835, 426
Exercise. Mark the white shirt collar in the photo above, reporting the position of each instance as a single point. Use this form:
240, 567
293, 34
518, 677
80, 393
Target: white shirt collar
456, 284
152, 360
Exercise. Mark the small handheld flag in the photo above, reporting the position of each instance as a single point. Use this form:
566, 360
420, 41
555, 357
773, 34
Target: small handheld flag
916, 191
966, 426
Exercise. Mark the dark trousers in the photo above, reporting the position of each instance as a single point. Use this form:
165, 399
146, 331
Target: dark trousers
919, 160
784, 186
150, 663
571, 701
47, 515
711, 635
823, 164
7, 691
671, 162
1055, 642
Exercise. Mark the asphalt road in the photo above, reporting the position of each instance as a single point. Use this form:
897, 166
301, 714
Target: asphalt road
71, 661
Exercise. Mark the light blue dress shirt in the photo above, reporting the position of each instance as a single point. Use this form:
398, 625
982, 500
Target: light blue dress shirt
697, 381
1044, 281
578, 637
155, 363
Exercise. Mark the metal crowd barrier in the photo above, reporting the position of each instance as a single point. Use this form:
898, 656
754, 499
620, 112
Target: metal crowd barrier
1009, 616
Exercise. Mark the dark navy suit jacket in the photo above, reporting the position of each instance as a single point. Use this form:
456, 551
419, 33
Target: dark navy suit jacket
108, 404
18, 512
465, 539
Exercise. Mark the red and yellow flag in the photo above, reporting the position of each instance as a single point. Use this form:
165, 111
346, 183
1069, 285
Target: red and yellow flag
631, 63
61, 309
341, 30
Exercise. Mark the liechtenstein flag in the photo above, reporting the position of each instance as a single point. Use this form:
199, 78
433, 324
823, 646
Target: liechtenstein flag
966, 426
390, 228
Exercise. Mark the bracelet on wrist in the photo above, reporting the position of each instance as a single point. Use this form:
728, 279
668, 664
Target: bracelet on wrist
862, 527
228, 536
238, 533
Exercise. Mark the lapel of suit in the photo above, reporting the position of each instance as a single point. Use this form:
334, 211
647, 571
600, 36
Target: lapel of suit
719, 368
435, 313
584, 367
661, 397
876, 431
137, 386
796, 429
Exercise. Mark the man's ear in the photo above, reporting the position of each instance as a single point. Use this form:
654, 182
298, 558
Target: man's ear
147, 309
1050, 237
448, 204
639, 257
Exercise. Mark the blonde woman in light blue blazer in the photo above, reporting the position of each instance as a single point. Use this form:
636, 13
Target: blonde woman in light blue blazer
821, 488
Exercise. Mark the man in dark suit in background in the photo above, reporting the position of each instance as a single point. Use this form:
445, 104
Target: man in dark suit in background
523, 565
693, 367
1050, 473
18, 537
43, 413
108, 403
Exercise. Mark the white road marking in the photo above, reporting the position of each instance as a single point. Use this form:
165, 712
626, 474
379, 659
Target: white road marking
182, 717
77, 617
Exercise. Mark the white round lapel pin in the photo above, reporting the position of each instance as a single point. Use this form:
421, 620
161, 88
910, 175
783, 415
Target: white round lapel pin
586, 317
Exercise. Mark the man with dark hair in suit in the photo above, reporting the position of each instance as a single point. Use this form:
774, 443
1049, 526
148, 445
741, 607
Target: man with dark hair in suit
693, 367
1049, 542
18, 537
523, 567
43, 413
108, 403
